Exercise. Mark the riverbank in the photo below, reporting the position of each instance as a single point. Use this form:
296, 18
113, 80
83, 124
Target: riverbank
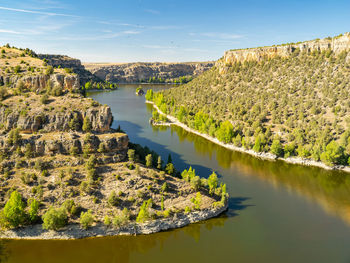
74, 231
261, 155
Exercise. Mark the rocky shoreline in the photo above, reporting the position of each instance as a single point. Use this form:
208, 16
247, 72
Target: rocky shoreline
261, 155
74, 231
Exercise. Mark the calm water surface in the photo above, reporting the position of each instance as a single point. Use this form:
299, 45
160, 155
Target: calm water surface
277, 212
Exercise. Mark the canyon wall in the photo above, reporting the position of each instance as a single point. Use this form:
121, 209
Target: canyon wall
138, 72
336, 44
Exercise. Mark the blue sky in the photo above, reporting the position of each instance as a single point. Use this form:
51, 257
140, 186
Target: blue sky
141, 30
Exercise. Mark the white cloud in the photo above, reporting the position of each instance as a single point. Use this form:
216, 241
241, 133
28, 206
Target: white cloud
35, 12
10, 31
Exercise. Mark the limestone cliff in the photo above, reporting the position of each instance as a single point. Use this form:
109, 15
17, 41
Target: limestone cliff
71, 63
336, 44
138, 72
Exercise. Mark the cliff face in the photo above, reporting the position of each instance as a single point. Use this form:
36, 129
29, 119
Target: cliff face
39, 83
137, 72
336, 44
72, 63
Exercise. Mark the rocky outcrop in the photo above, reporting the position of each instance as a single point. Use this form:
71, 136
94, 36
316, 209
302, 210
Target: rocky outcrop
139, 72
72, 63
40, 83
336, 44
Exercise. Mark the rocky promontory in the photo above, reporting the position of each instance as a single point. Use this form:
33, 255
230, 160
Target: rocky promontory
65, 173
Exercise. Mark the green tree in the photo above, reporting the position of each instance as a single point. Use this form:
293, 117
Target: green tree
225, 132
33, 211
149, 160
169, 169
276, 148
86, 219
131, 155
13, 212
87, 126
55, 218
159, 163
212, 182
334, 154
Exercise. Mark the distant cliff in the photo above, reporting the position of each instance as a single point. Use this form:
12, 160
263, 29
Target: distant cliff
336, 44
71, 63
138, 72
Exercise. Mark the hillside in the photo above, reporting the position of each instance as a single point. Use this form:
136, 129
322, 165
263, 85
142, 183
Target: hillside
148, 72
288, 100
62, 163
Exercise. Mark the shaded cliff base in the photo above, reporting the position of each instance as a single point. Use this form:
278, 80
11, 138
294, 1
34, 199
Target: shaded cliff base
266, 156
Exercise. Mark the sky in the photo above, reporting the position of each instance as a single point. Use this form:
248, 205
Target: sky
165, 31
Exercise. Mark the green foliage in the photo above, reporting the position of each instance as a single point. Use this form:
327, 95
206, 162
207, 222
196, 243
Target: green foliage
197, 201
225, 132
86, 219
44, 99
196, 183
49, 70
212, 182
113, 199
149, 160
122, 218
333, 155
149, 95
14, 137
144, 213
276, 148
33, 211
13, 214
169, 169
131, 155
17, 69
87, 126
3, 92
54, 218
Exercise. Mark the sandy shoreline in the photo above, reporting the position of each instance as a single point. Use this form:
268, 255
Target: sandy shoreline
261, 155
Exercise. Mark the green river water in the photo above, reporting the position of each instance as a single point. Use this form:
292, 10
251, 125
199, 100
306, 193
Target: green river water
278, 212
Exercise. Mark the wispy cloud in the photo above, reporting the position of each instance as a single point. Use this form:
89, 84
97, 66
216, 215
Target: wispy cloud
225, 36
36, 12
9, 31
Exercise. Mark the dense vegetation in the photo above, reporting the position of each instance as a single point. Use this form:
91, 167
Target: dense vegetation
179, 80
294, 106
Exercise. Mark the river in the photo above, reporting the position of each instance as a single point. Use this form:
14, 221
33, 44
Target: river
278, 212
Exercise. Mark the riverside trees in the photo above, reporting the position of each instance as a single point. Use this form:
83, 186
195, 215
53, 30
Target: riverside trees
306, 105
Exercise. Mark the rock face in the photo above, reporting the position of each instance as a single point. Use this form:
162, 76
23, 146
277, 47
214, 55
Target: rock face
39, 83
138, 72
72, 63
100, 118
336, 44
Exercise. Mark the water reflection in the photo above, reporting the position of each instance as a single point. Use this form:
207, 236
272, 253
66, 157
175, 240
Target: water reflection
110, 249
330, 189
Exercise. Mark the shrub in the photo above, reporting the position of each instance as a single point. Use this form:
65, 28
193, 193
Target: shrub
196, 183
86, 219
144, 213
44, 99
122, 218
54, 218
276, 148
197, 200
212, 182
17, 69
113, 199
131, 155
49, 70
169, 168
87, 125
13, 213
14, 137
149, 160
57, 91
33, 211
3, 92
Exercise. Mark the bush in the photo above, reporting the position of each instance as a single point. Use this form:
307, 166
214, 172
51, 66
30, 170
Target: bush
44, 99
17, 69
87, 127
33, 211
149, 160
86, 219
121, 219
13, 213
131, 155
49, 70
54, 218
276, 148
57, 91
144, 213
212, 182
113, 199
